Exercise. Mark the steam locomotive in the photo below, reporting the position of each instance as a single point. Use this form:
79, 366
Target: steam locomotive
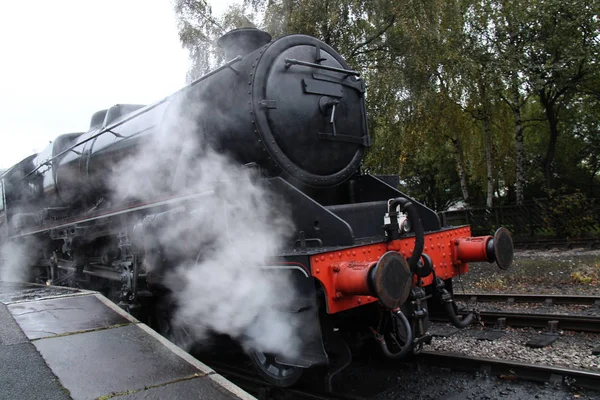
369, 262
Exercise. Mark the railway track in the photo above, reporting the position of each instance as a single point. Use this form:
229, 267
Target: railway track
512, 370
557, 244
507, 370
503, 369
531, 318
511, 298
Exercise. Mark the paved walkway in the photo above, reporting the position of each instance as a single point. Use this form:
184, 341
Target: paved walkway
61, 343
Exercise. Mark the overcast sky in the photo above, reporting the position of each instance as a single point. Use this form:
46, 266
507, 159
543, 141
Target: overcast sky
62, 60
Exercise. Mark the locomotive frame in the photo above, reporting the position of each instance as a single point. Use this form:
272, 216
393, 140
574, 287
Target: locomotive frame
368, 261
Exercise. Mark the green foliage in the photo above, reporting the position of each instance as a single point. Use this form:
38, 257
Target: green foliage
559, 59
447, 82
199, 30
569, 215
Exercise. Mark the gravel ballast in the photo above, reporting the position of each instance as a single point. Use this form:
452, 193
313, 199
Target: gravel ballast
575, 272
571, 350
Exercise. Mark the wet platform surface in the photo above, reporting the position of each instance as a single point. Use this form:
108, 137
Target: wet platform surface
45, 318
61, 343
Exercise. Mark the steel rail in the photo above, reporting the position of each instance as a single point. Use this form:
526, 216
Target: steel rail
512, 369
547, 299
579, 323
531, 318
556, 243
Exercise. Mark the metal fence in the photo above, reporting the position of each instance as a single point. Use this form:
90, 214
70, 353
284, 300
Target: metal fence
533, 220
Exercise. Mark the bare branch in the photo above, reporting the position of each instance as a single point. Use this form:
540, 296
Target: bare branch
374, 37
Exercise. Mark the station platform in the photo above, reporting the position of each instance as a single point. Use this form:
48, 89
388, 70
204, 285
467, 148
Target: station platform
62, 343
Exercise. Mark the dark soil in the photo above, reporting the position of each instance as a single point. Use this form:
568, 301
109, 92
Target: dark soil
574, 272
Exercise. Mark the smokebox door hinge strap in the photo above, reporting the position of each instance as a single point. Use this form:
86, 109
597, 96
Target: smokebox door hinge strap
269, 104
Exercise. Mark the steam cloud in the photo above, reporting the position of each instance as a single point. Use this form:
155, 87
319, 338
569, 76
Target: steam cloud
13, 262
237, 224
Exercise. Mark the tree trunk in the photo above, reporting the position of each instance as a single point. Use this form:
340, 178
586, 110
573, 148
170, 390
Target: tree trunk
461, 170
553, 125
487, 136
520, 181
516, 109
488, 161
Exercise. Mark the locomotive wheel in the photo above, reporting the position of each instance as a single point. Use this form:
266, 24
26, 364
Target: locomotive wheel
164, 324
274, 372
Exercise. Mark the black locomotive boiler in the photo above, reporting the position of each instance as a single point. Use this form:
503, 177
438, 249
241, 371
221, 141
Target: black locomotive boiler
369, 261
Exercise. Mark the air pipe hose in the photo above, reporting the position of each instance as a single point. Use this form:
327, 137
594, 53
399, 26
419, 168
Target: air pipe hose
417, 226
415, 221
393, 234
459, 323
449, 305
409, 339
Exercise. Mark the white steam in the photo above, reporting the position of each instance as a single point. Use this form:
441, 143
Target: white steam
233, 230
13, 262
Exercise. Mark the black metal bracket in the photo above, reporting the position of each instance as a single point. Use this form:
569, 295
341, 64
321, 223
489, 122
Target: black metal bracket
318, 57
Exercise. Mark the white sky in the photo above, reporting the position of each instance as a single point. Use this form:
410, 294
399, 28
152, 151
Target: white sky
62, 60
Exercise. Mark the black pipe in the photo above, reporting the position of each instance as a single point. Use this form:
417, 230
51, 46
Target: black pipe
415, 222
409, 339
460, 324
446, 298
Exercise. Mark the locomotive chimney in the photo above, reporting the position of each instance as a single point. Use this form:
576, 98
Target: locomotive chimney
240, 42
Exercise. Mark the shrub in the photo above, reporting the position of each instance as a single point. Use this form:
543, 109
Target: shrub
569, 215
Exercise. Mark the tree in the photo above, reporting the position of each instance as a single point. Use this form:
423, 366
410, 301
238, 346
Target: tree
199, 31
560, 54
506, 29
452, 86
